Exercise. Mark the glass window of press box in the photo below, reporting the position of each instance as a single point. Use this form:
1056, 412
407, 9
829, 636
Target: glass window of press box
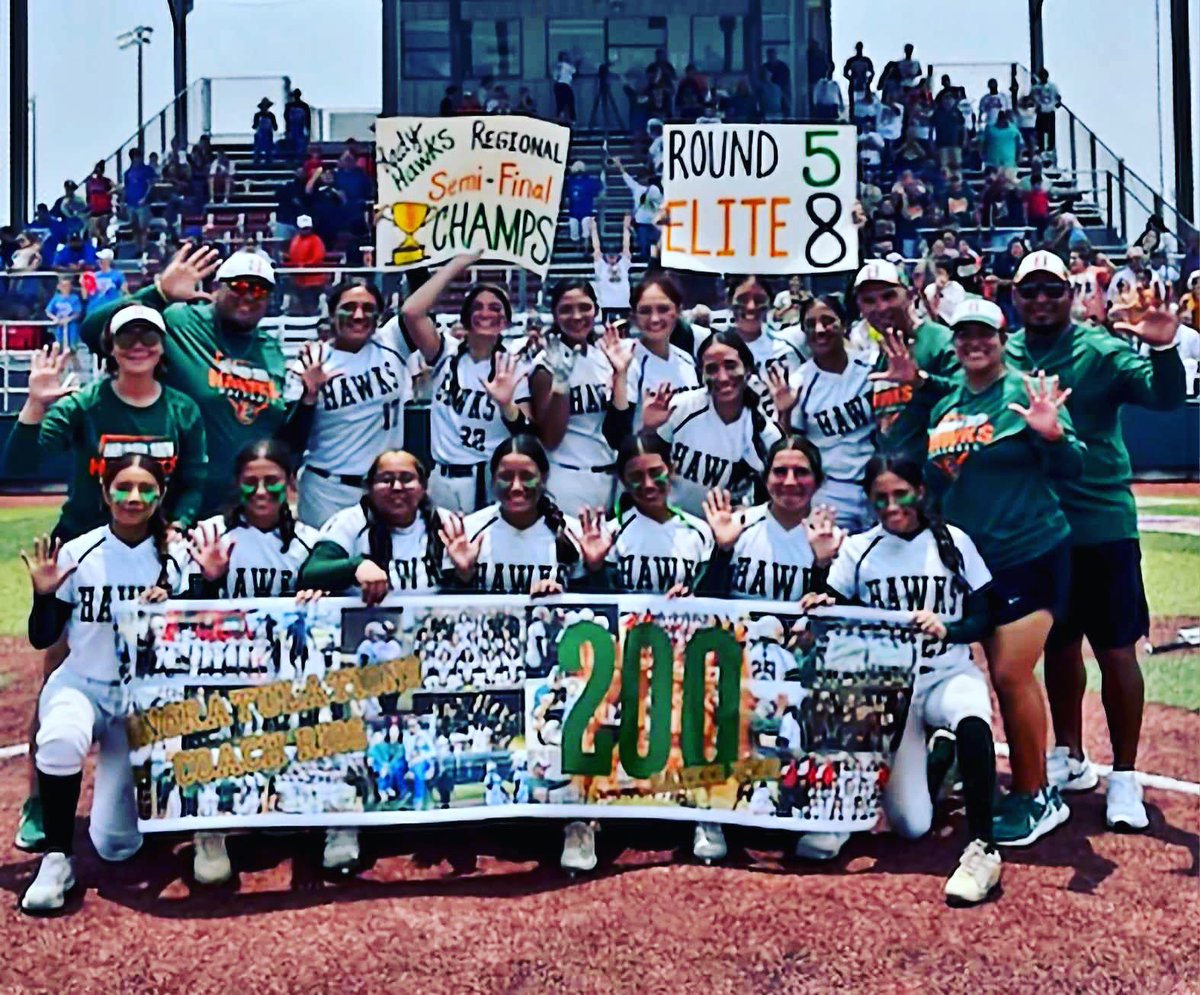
488, 48
628, 44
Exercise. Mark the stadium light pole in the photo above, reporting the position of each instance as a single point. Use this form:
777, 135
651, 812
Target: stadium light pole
139, 36
18, 110
32, 155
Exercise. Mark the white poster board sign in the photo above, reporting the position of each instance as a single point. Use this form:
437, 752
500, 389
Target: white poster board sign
759, 198
453, 185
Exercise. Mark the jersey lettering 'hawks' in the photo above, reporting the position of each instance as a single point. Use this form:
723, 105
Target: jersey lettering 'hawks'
249, 389
955, 437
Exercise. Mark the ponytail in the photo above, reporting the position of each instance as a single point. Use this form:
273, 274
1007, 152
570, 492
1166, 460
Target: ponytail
566, 550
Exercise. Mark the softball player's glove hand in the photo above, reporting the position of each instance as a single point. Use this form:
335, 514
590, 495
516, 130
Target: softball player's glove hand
560, 360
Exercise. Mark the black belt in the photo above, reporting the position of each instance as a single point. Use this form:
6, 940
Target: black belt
458, 471
349, 480
608, 468
924, 670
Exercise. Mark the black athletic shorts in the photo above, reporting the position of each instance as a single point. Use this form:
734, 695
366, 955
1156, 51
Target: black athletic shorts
1035, 585
1107, 602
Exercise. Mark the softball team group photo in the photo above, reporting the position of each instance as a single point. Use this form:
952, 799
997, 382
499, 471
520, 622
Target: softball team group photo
869, 456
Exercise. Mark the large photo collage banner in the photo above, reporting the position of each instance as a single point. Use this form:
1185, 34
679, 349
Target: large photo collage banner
265, 713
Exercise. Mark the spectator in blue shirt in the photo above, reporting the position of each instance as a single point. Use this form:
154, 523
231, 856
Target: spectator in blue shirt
76, 254
140, 178
110, 282
65, 309
581, 191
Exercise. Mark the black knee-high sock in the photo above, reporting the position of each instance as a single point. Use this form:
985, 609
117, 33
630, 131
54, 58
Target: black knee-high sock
977, 767
60, 799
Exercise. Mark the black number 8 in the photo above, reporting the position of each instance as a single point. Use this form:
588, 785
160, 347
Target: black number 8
824, 227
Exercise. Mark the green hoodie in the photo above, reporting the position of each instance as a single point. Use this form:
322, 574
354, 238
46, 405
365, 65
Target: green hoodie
992, 473
236, 379
1103, 373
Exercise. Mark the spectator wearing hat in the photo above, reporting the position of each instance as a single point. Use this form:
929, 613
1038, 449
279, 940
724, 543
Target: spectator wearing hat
108, 282
265, 125
306, 249
76, 254
580, 191
70, 204
297, 123
1123, 289
218, 356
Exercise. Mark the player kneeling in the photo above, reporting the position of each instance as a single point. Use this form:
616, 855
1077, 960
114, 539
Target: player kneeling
912, 551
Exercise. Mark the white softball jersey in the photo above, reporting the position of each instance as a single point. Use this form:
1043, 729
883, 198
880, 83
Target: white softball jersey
882, 570
773, 350
833, 411
770, 562
110, 575
706, 450
259, 567
360, 412
649, 372
466, 425
510, 559
407, 569
652, 557
589, 392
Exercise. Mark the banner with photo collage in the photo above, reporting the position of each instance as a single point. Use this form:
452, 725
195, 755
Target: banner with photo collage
263, 713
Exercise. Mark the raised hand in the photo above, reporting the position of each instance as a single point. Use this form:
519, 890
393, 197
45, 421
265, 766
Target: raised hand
929, 623
824, 536
816, 599
503, 384
154, 595
189, 267
210, 552
46, 381
1045, 403
783, 394
313, 374
678, 591
901, 367
373, 581
725, 522
618, 350
309, 596
1156, 326
595, 540
560, 358
44, 572
544, 586
463, 553
656, 406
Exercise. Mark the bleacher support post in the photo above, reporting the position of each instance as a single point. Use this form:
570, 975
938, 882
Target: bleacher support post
179, 12
1181, 89
18, 110
390, 39
1037, 56
1121, 191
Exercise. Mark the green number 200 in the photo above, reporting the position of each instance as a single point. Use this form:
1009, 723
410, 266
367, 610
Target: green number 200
598, 762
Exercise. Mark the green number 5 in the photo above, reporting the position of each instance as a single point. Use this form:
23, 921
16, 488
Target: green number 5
811, 148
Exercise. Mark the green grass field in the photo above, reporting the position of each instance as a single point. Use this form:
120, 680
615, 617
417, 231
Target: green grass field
1171, 566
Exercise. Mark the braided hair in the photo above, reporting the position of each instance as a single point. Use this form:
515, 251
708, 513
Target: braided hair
750, 397
551, 514
277, 452
453, 387
910, 471
157, 525
379, 532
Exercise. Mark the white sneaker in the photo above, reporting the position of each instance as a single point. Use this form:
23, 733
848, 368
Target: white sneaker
820, 846
48, 893
977, 874
341, 850
708, 842
1123, 810
1068, 774
579, 847
210, 862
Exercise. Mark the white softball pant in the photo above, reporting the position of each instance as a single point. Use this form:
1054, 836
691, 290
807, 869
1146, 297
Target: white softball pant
573, 489
322, 497
73, 713
940, 700
461, 494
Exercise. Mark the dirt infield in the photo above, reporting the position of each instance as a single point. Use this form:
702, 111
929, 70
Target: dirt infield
466, 910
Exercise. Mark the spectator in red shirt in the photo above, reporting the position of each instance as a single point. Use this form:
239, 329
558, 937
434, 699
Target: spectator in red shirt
307, 249
1037, 205
99, 191
312, 164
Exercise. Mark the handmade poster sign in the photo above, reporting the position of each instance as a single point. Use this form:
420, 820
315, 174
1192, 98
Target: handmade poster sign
452, 185
265, 713
759, 198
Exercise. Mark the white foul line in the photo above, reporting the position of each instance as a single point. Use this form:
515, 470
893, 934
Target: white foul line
1159, 781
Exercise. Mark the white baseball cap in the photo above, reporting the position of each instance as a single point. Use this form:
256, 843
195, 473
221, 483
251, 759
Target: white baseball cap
976, 309
878, 271
137, 312
243, 263
1042, 261
304, 221
104, 254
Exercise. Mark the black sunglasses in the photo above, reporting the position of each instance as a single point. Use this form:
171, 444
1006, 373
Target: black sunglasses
1050, 289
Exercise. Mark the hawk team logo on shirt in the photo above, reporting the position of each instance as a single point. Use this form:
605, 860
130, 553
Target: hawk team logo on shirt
887, 401
955, 437
249, 389
115, 446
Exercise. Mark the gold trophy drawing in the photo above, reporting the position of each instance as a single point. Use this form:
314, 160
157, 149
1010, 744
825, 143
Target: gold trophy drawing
409, 216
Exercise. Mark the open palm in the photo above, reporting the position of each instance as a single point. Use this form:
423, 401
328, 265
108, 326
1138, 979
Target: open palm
44, 571
725, 522
1045, 403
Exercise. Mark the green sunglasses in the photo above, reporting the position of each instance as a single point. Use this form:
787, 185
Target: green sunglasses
148, 492
900, 500
277, 490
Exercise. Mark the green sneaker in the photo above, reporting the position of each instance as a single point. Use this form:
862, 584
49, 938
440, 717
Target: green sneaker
31, 835
1021, 819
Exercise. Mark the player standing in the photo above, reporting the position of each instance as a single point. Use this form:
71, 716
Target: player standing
655, 304
1107, 600
750, 300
